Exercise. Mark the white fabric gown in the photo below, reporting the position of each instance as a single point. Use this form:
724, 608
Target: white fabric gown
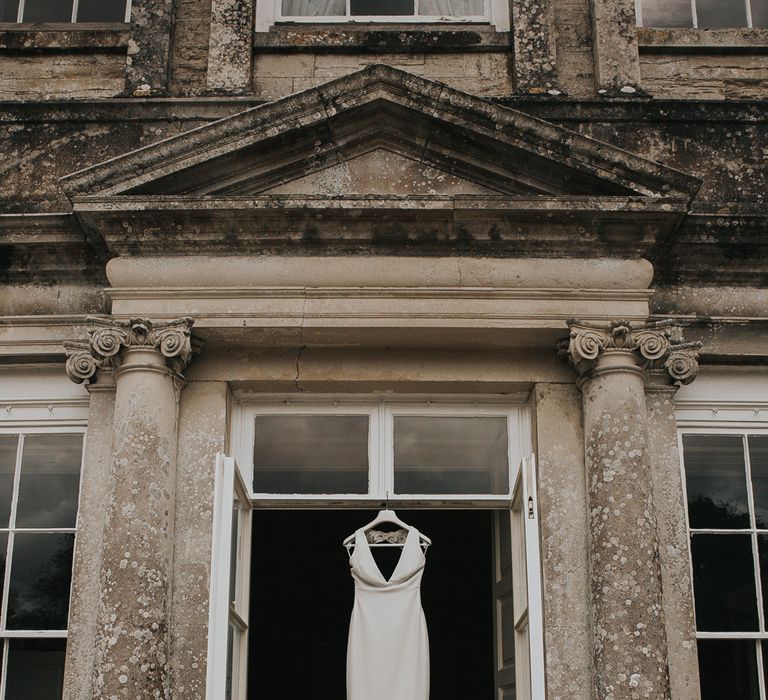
388, 649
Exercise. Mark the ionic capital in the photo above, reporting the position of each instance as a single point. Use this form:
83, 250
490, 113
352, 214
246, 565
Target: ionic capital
108, 339
651, 346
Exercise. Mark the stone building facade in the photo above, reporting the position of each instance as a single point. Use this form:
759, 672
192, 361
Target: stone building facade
227, 230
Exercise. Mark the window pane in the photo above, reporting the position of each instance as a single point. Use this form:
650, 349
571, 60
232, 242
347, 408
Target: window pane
48, 11
758, 461
41, 572
8, 13
314, 8
760, 13
716, 481
50, 481
8, 445
381, 7
233, 555
667, 13
101, 11
451, 455
721, 13
507, 632
311, 454
3, 553
762, 549
724, 583
728, 669
35, 669
451, 8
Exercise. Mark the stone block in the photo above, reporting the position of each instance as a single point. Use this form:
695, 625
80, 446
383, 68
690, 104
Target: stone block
283, 66
272, 88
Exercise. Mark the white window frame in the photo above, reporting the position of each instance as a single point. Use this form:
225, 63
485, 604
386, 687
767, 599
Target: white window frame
73, 18
24, 417
694, 16
381, 412
730, 407
496, 14
225, 614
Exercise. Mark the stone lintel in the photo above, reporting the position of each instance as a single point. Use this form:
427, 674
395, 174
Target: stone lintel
535, 64
595, 349
109, 340
617, 57
230, 47
148, 66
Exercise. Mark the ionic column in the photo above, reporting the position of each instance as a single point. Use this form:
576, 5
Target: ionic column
629, 641
133, 616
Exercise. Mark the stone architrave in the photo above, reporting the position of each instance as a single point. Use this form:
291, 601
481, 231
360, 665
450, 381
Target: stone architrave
132, 645
629, 640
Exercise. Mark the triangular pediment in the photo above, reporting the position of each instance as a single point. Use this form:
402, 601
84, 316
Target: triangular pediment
380, 131
383, 172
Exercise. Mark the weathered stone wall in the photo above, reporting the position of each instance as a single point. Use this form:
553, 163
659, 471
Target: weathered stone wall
725, 145
575, 58
189, 57
705, 76
483, 74
61, 76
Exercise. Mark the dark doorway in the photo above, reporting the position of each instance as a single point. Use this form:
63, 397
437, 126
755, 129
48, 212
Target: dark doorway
302, 595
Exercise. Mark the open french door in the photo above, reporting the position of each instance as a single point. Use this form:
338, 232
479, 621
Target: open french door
519, 673
230, 574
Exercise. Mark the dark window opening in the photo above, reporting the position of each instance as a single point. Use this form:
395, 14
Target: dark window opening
302, 595
66, 11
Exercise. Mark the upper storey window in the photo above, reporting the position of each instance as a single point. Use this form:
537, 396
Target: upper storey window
385, 10
68, 11
703, 14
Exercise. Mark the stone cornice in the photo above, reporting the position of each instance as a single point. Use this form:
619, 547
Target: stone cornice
655, 346
108, 338
611, 226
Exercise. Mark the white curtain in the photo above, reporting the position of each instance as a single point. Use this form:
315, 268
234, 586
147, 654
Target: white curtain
313, 8
451, 8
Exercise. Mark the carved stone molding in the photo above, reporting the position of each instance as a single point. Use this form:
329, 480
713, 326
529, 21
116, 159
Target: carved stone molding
655, 346
108, 338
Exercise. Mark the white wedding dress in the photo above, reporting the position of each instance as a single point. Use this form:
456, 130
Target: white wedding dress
388, 649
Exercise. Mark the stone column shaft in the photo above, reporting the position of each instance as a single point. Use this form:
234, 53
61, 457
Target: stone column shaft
629, 638
132, 646
94, 491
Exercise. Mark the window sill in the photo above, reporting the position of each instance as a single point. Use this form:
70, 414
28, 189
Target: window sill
383, 38
738, 40
57, 37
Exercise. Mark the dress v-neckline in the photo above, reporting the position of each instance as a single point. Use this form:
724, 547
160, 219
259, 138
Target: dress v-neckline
386, 581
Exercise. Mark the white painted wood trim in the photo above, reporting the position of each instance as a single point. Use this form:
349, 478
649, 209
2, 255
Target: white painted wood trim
218, 607
533, 572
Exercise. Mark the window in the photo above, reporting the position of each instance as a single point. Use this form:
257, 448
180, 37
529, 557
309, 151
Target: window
494, 13
315, 471
378, 10
69, 11
726, 477
703, 14
39, 491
